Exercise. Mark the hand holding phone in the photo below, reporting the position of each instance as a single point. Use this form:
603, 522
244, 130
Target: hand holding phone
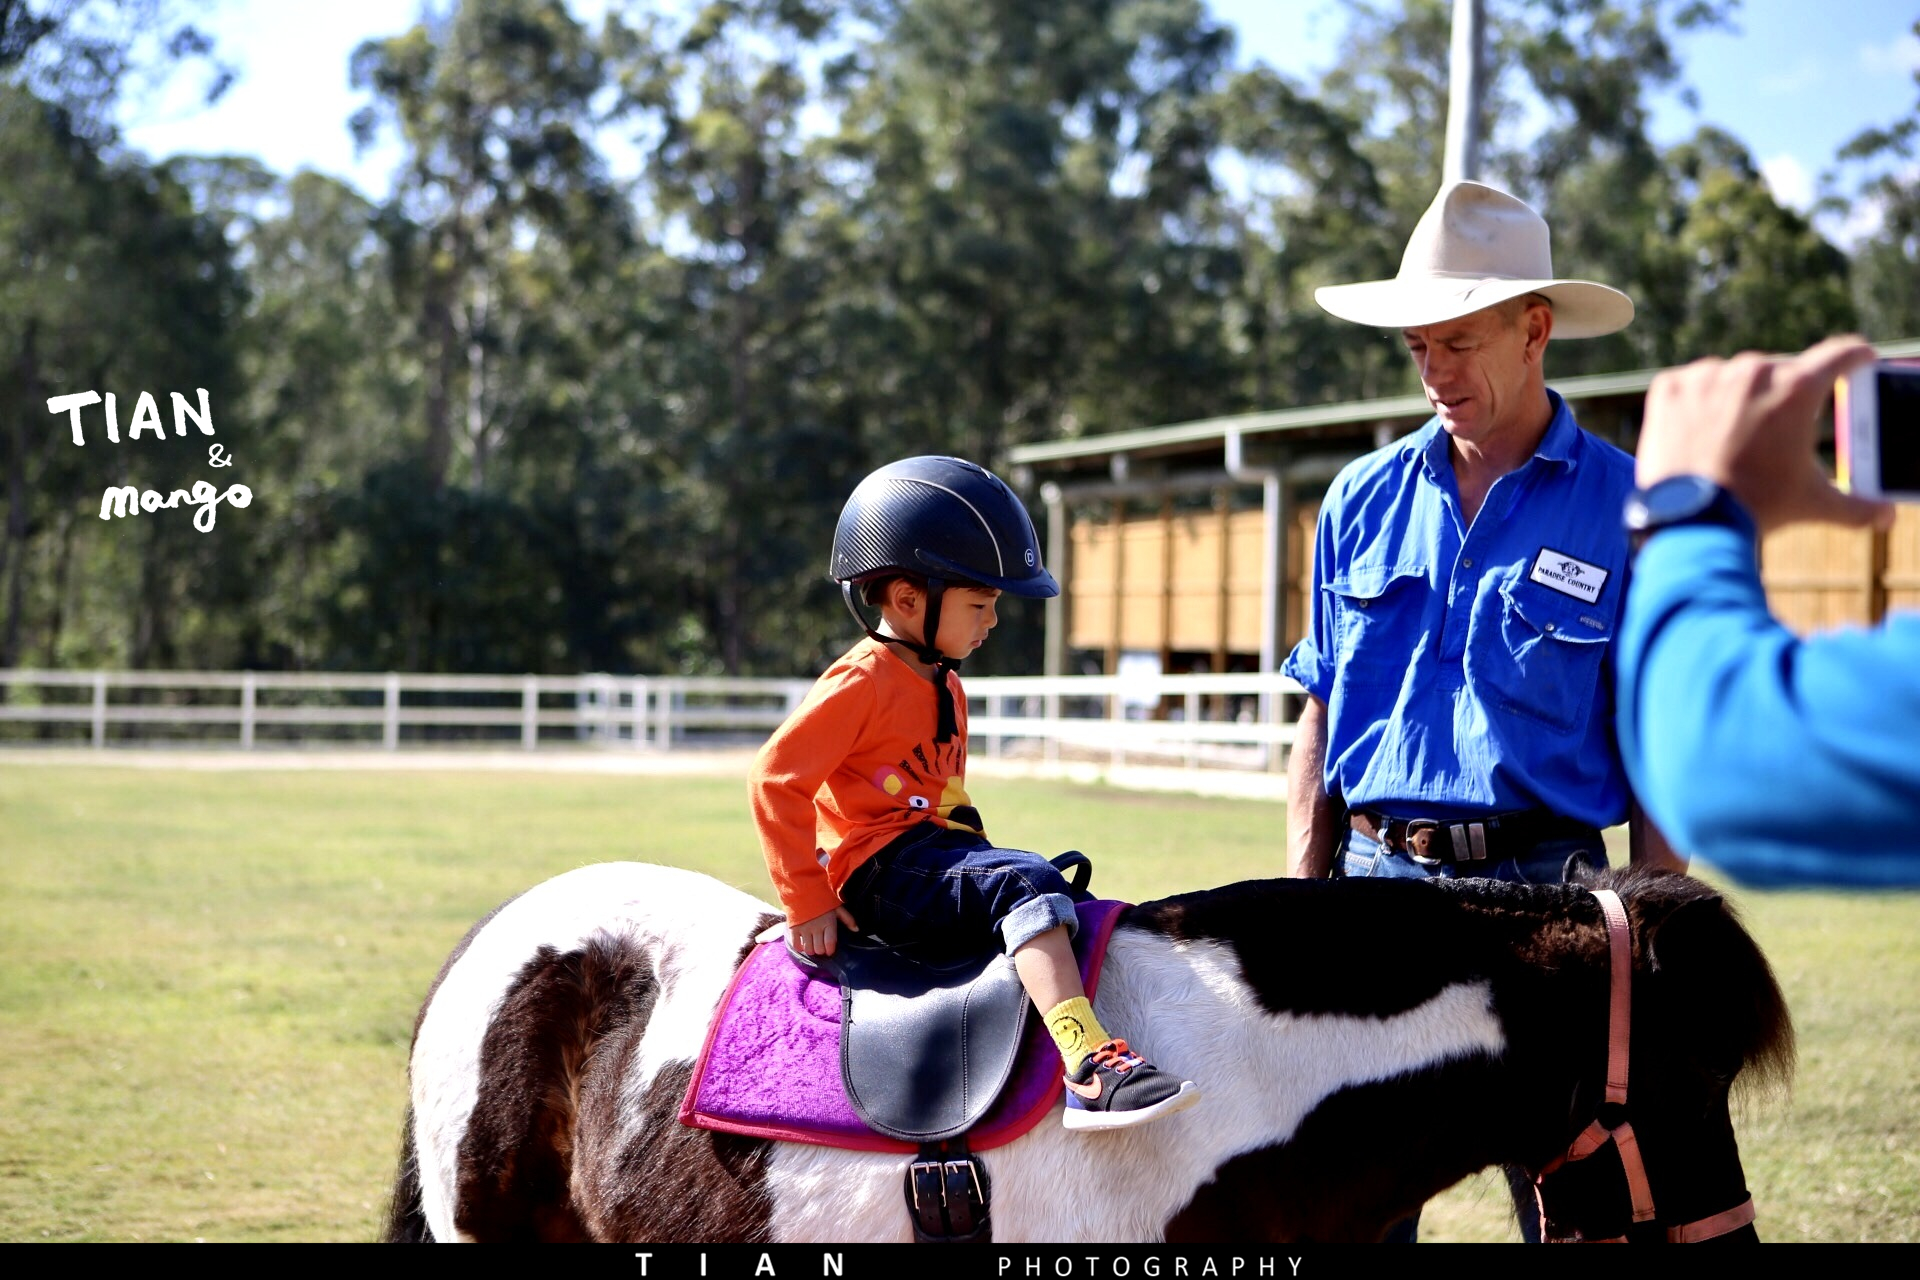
1750, 424
1876, 431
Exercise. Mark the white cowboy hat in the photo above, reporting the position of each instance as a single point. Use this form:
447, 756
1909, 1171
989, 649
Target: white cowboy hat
1475, 247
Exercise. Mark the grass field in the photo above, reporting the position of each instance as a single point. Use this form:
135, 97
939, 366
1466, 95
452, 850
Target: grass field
208, 980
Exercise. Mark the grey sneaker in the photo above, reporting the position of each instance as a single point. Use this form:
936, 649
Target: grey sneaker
1115, 1087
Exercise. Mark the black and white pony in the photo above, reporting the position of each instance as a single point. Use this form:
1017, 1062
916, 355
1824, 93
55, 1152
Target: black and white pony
1361, 1046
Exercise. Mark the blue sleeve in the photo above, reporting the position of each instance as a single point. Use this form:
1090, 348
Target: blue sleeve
1779, 760
1312, 659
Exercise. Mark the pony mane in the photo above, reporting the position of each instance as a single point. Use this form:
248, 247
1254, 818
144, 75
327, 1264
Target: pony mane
1719, 992
1692, 938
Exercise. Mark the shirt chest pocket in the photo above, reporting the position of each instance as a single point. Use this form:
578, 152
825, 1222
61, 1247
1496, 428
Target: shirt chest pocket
1377, 619
1544, 662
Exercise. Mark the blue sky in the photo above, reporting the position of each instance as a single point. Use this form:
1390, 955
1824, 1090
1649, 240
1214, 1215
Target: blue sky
1795, 81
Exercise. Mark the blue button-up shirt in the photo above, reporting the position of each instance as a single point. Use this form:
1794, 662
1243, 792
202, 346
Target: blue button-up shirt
1464, 669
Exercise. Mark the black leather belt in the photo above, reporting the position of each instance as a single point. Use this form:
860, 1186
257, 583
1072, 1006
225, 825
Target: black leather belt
1435, 842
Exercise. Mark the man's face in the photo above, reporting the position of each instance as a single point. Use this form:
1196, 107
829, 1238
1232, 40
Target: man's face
1474, 371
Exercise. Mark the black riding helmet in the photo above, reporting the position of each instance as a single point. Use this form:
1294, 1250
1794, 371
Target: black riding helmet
945, 520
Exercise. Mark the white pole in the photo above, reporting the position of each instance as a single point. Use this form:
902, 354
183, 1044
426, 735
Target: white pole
99, 709
1463, 93
390, 707
247, 698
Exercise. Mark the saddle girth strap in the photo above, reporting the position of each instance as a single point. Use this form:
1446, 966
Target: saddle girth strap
947, 1195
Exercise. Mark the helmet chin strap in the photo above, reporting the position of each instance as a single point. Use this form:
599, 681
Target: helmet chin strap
945, 724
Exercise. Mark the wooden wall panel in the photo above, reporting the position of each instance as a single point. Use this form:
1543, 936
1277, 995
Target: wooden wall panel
1818, 577
1902, 577
1089, 588
1143, 548
1299, 575
1195, 608
1246, 563
1170, 596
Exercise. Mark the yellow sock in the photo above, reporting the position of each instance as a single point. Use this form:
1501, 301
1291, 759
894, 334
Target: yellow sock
1075, 1030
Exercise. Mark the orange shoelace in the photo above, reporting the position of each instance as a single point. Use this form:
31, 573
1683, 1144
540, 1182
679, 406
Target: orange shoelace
1115, 1055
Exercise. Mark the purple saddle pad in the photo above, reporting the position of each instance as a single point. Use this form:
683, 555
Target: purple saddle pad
771, 1065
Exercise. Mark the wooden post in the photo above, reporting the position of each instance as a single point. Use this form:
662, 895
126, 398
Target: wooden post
1877, 541
1119, 587
1060, 561
1273, 508
1223, 598
1060, 557
1283, 584
1166, 597
530, 713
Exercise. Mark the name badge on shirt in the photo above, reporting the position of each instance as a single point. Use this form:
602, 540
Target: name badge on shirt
1568, 576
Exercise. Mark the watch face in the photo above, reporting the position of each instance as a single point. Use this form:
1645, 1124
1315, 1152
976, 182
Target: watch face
1675, 498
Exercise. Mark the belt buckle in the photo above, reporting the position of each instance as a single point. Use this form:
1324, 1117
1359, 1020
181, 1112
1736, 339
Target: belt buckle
1418, 838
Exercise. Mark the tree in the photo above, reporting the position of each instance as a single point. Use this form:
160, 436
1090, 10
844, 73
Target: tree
1321, 214
739, 447
109, 281
1876, 181
80, 55
492, 101
1758, 276
1036, 214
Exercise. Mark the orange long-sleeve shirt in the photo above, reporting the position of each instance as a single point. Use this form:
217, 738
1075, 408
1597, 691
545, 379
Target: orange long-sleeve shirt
853, 767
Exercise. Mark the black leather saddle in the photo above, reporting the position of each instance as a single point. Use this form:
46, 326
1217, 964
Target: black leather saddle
928, 1039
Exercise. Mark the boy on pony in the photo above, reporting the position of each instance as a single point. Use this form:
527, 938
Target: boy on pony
860, 797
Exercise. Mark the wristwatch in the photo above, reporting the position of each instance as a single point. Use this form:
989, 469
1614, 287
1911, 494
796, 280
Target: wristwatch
1682, 500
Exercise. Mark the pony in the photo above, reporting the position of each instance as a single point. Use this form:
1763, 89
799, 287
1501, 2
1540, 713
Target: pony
1361, 1046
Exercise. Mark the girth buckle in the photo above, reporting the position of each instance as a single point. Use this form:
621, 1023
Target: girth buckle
948, 1197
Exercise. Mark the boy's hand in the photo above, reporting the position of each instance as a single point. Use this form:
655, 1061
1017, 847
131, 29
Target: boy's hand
817, 937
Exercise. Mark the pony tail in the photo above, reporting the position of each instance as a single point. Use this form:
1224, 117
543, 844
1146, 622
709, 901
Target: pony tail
406, 1221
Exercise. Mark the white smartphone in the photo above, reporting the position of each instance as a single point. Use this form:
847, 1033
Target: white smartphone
1876, 431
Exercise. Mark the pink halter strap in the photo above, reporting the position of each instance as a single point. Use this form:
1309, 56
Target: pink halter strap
1597, 1135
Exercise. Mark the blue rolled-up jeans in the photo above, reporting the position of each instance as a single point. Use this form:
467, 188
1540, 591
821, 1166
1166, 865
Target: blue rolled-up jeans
947, 887
1362, 858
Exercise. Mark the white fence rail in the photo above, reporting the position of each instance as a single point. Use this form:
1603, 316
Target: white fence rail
1225, 721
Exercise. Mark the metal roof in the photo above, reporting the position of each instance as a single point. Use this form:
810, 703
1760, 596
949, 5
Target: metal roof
1140, 439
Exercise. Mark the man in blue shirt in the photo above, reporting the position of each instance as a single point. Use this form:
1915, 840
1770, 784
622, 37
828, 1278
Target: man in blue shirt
1468, 581
1780, 760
